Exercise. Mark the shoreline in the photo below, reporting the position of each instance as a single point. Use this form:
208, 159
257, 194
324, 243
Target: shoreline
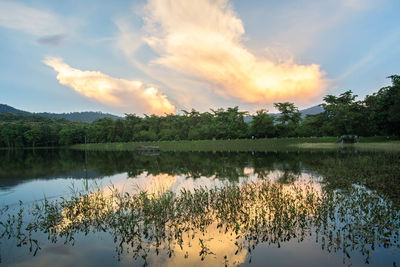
247, 145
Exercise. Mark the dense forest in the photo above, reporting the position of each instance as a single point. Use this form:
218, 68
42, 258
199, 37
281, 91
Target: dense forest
377, 114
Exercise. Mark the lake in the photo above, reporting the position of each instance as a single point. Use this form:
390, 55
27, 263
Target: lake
198, 208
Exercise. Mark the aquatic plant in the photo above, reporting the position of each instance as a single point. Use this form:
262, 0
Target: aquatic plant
143, 225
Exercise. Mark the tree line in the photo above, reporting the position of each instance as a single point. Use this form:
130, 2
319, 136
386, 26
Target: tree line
376, 114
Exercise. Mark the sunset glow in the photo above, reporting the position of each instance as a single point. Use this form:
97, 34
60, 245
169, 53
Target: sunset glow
156, 56
130, 95
210, 47
199, 133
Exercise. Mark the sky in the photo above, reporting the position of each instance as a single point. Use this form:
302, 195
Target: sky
165, 56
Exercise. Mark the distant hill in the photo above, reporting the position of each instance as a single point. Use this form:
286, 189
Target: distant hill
8, 109
89, 116
311, 111
86, 116
308, 111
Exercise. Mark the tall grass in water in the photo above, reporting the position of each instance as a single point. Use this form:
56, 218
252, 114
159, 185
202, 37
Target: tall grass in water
145, 225
266, 144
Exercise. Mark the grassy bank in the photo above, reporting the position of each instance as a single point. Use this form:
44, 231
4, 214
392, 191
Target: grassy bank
269, 144
393, 146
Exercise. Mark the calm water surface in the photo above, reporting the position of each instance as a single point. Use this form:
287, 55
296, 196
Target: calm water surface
358, 225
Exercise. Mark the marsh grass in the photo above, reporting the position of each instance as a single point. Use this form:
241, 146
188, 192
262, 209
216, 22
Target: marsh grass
267, 144
257, 145
379, 172
145, 225
378, 147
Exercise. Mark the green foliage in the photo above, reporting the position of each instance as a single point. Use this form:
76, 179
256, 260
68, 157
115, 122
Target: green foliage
32, 136
71, 135
229, 124
383, 108
289, 119
313, 125
289, 113
377, 114
262, 125
31, 130
343, 115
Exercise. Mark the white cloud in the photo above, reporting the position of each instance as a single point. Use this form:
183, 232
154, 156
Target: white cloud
129, 38
49, 27
303, 25
203, 40
125, 95
361, 4
33, 21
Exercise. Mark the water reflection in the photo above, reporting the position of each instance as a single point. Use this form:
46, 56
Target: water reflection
377, 171
218, 225
213, 209
22, 165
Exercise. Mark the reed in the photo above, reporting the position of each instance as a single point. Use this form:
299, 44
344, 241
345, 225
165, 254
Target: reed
249, 145
148, 224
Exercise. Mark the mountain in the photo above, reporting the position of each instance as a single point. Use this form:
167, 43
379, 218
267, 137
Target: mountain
89, 116
308, 111
86, 116
8, 109
312, 111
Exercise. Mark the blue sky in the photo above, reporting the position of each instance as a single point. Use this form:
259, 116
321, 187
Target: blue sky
161, 56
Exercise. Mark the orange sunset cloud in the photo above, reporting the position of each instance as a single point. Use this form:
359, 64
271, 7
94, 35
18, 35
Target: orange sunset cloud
204, 40
125, 94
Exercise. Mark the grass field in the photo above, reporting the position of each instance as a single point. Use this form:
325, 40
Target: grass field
381, 146
270, 144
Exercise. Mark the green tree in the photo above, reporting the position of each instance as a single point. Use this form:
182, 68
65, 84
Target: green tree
71, 135
8, 135
343, 115
32, 136
289, 119
262, 124
394, 108
229, 123
383, 108
133, 125
313, 125
197, 125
